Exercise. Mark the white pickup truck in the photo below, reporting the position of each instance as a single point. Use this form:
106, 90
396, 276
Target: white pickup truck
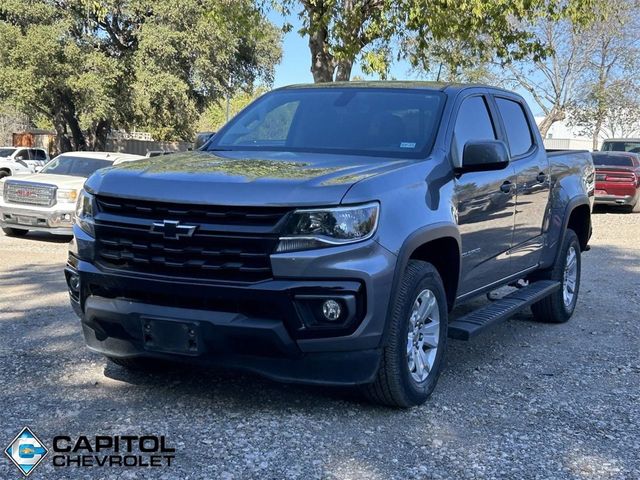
46, 201
21, 160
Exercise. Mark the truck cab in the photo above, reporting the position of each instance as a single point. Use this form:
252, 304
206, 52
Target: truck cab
327, 233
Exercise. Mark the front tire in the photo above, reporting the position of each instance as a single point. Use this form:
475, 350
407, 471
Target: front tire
417, 340
14, 232
560, 305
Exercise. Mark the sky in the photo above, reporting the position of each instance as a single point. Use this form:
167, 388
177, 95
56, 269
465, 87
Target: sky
296, 62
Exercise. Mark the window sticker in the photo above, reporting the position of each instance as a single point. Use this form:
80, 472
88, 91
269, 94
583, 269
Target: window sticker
408, 145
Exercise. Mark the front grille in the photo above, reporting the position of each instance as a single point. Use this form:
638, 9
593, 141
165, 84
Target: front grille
30, 193
228, 243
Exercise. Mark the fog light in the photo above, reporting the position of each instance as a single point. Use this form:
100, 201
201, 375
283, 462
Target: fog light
331, 310
74, 283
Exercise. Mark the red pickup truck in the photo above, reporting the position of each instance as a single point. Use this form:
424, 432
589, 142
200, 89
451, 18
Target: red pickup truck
618, 179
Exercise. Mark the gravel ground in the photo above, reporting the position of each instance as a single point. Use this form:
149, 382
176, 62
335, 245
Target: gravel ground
524, 401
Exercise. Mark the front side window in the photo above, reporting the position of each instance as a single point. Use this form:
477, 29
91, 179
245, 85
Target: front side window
349, 120
472, 123
516, 126
75, 166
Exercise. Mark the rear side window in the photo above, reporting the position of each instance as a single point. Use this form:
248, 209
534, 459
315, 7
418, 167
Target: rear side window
516, 126
473, 123
621, 146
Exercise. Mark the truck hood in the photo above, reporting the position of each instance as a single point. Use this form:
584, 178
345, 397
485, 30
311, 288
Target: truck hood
60, 181
240, 178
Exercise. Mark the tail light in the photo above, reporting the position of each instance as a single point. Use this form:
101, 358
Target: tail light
622, 177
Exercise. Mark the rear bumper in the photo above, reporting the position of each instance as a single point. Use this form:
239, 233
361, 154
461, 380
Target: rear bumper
58, 222
616, 199
258, 327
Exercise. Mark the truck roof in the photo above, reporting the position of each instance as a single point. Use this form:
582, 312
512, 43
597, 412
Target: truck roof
408, 84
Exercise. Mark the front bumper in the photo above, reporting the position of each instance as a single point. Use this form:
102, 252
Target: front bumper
57, 222
257, 327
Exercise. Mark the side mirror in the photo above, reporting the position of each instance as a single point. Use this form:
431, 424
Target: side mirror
484, 155
19, 157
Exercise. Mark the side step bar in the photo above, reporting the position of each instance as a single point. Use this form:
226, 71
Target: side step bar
474, 323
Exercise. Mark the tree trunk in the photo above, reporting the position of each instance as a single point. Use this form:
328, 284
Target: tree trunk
343, 71
322, 62
596, 134
63, 144
556, 114
99, 141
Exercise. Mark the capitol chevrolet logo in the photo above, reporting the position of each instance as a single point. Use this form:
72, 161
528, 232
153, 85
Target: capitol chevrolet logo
172, 229
26, 451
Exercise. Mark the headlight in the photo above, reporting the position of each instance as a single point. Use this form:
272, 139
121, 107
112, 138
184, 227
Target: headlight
309, 229
68, 196
84, 212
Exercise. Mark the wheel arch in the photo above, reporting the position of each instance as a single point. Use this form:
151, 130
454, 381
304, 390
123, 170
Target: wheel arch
437, 244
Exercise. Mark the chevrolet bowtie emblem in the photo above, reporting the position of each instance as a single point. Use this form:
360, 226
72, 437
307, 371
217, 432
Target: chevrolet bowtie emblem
172, 229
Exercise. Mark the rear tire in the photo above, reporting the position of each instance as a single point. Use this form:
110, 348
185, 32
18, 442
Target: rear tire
14, 232
560, 305
417, 340
4, 174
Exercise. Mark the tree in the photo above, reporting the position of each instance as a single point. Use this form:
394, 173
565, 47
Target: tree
89, 66
611, 82
341, 32
553, 80
584, 59
614, 112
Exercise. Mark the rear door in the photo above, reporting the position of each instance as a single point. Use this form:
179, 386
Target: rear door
531, 166
485, 202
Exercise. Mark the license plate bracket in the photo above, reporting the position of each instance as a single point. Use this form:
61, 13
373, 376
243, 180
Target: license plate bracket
24, 220
169, 336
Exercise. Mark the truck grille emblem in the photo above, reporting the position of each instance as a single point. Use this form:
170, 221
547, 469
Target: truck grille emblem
172, 229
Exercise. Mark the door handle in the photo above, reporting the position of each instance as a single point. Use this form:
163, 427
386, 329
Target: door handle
506, 187
542, 177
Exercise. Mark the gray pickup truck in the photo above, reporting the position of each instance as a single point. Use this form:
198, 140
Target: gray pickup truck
326, 234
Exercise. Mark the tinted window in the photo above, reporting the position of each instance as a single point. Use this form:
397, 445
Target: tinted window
356, 121
516, 126
473, 123
22, 153
37, 154
6, 152
633, 147
612, 160
75, 166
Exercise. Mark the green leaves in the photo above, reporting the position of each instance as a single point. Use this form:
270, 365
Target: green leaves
155, 64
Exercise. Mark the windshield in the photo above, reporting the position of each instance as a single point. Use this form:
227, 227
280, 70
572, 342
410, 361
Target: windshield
6, 152
75, 166
354, 121
613, 160
633, 147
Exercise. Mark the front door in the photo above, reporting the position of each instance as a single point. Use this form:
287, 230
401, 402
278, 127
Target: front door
485, 204
531, 166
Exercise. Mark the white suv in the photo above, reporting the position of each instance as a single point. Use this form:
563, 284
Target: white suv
46, 201
21, 160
